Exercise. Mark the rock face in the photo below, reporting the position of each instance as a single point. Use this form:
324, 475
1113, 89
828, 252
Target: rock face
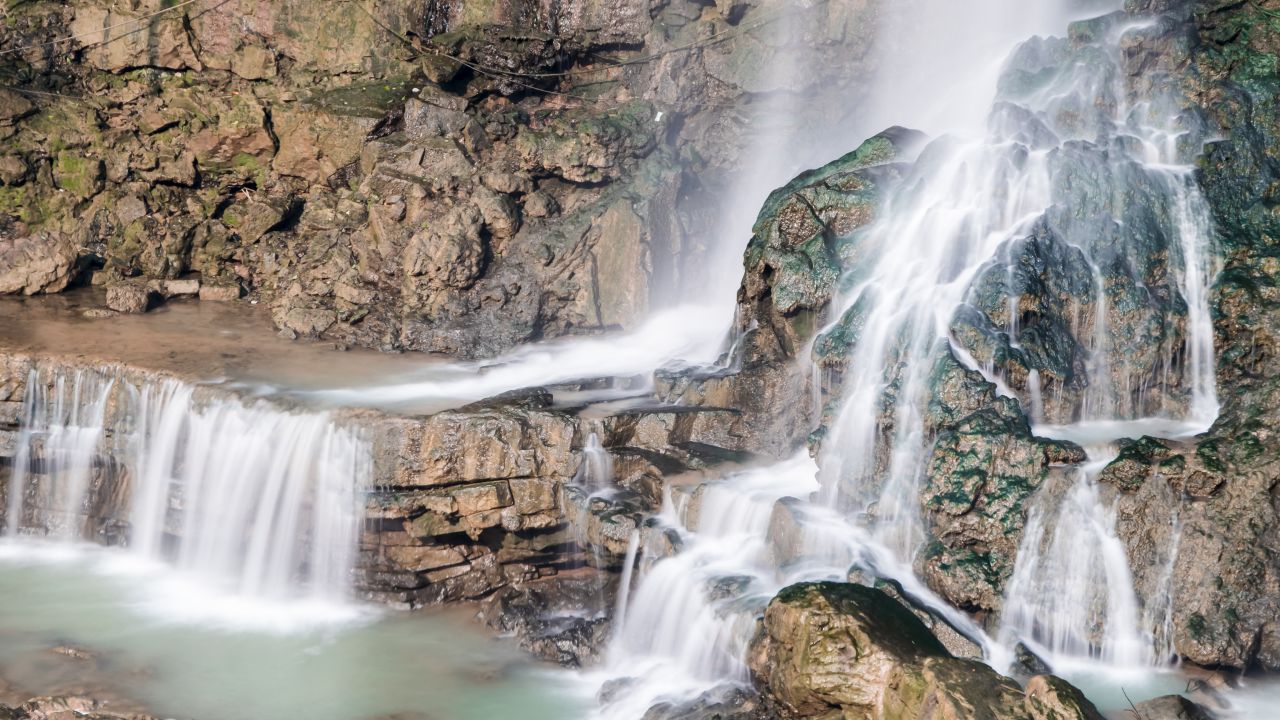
448, 177
839, 650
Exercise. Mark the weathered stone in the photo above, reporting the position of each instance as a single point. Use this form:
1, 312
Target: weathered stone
314, 145
844, 650
180, 287
425, 557
13, 105
220, 292
1171, 707
35, 264
434, 113
119, 40
130, 297
532, 496
481, 497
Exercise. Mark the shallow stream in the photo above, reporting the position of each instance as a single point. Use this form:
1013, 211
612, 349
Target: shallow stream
74, 620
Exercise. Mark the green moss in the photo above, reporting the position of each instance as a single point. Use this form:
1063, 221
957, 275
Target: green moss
29, 203
369, 99
1197, 626
1210, 454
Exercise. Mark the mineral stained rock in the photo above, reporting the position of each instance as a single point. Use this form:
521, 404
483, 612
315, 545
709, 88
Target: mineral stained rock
841, 650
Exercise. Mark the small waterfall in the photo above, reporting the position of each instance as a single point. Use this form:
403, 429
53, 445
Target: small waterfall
61, 430
596, 472
263, 498
692, 614
624, 583
1071, 596
248, 499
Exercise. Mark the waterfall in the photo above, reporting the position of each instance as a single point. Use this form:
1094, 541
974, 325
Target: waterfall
596, 472
1073, 598
692, 614
246, 498
1071, 161
61, 429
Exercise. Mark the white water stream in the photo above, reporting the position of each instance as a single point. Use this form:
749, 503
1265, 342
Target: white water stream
250, 506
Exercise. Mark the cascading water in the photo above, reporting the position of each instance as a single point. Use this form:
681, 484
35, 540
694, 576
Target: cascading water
245, 499
1073, 163
62, 427
1054, 603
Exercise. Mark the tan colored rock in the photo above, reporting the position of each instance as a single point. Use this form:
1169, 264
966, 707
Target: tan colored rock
829, 646
622, 266
465, 447
849, 651
425, 557
13, 105
181, 287
254, 62
130, 297
1051, 698
34, 264
450, 253
117, 40
239, 136
13, 169
482, 497
313, 144
532, 495
307, 321
500, 212
220, 291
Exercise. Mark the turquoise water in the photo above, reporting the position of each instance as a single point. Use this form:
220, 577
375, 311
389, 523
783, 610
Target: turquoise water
436, 666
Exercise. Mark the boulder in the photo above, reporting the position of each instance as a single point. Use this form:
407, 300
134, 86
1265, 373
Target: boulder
827, 649
1170, 707
131, 297
34, 264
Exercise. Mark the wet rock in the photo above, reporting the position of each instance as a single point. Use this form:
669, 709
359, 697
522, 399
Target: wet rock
220, 291
1171, 707
1050, 698
802, 237
734, 704
1219, 486
130, 297
185, 287
982, 472
828, 648
67, 707
559, 619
